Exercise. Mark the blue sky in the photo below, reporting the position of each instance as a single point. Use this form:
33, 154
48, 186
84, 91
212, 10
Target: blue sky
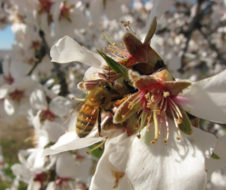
6, 38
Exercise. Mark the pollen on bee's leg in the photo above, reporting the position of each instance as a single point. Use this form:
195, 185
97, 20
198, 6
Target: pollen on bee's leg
156, 127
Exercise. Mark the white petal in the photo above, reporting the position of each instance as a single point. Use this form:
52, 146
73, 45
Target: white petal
215, 164
19, 69
22, 171
53, 129
38, 100
103, 177
36, 160
92, 73
34, 185
70, 141
60, 106
207, 98
218, 180
51, 186
177, 165
66, 50
68, 166
9, 107
3, 91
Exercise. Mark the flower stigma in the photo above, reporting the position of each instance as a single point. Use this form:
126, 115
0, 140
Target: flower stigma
47, 115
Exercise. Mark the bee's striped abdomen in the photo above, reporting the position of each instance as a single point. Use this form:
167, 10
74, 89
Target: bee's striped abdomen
86, 119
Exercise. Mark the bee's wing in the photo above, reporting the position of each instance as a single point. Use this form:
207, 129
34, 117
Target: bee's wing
76, 108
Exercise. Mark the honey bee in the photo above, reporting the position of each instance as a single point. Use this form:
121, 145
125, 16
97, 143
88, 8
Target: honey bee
100, 98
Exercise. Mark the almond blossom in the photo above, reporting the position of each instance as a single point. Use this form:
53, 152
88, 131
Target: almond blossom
15, 90
146, 135
160, 148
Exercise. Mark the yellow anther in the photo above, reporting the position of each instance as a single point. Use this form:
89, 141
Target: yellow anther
149, 105
152, 99
147, 95
179, 121
166, 94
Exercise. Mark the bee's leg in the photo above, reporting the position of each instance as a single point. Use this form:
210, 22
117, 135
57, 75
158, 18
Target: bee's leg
99, 123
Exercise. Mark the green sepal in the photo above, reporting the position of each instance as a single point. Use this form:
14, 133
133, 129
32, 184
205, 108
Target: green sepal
151, 31
186, 125
49, 144
115, 66
215, 156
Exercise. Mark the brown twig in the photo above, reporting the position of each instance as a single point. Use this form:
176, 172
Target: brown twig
44, 50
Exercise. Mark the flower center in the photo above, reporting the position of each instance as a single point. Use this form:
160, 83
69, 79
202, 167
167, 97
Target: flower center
45, 6
65, 11
47, 115
40, 177
16, 95
9, 79
158, 106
